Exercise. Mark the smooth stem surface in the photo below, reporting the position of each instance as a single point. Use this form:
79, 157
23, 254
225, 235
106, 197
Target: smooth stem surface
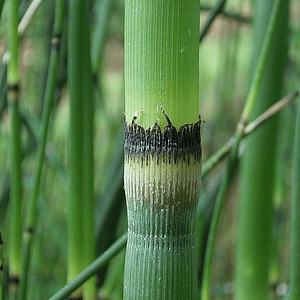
15, 226
256, 83
48, 102
81, 241
91, 269
295, 218
89, 289
262, 61
258, 167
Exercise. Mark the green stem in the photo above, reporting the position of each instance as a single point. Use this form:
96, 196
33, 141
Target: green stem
81, 210
103, 9
92, 269
215, 11
162, 168
254, 246
295, 218
213, 160
262, 62
15, 239
231, 166
255, 85
49, 96
89, 289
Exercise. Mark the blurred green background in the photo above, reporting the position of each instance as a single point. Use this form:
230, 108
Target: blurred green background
225, 65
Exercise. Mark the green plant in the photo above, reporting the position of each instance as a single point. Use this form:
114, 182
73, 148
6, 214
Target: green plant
15, 252
74, 202
258, 169
294, 292
162, 148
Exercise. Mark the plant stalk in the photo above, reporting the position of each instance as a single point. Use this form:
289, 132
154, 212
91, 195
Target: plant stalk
29, 229
232, 161
258, 167
15, 228
294, 292
162, 168
81, 237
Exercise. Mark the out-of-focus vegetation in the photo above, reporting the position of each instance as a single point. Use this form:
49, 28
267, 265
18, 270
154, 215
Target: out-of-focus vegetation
225, 72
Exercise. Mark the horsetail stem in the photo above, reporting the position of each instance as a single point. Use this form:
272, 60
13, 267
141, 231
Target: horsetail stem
295, 219
28, 234
162, 164
81, 243
254, 246
15, 244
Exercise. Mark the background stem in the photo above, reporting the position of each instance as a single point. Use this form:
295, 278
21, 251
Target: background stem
15, 239
295, 219
258, 168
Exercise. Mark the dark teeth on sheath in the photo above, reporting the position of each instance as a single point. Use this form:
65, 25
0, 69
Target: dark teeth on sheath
174, 145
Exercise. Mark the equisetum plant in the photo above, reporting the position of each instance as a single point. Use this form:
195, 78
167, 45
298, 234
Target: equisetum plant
162, 169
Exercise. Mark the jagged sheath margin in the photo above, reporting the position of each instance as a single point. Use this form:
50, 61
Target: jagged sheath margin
162, 176
180, 144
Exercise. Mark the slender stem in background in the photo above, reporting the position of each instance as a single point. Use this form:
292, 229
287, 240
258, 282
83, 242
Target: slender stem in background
213, 160
233, 16
81, 238
261, 65
232, 161
15, 225
42, 138
1, 265
102, 9
254, 242
294, 293
92, 269
217, 9
161, 177
89, 289
30, 12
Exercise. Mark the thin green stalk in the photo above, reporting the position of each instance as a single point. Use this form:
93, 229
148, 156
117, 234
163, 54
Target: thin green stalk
294, 292
254, 246
1, 265
4, 200
3, 87
213, 160
92, 269
262, 62
217, 9
89, 289
102, 9
162, 168
49, 96
255, 85
231, 165
15, 228
80, 144
230, 15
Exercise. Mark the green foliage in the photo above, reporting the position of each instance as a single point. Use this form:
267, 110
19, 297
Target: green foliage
225, 62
